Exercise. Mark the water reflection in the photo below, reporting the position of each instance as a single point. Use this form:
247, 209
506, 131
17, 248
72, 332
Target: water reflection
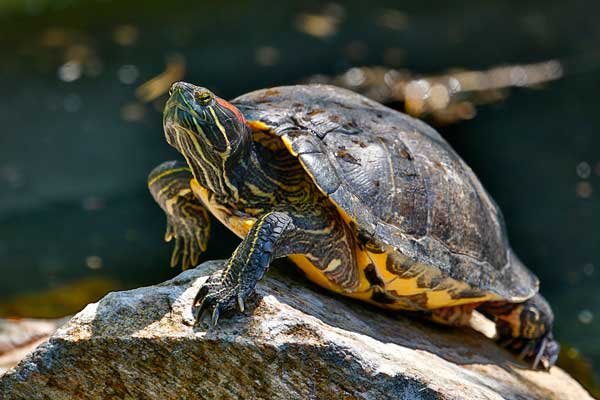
448, 97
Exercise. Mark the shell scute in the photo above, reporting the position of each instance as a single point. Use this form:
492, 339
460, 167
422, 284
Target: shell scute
398, 180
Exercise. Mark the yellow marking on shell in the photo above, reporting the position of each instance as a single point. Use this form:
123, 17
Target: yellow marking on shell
409, 286
442, 298
258, 125
288, 145
318, 276
405, 286
237, 224
166, 173
315, 274
437, 296
401, 287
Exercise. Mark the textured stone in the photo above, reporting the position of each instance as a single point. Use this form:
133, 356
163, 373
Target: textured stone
293, 342
20, 336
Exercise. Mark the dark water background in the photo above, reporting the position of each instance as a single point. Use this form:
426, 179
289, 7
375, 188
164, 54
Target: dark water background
76, 144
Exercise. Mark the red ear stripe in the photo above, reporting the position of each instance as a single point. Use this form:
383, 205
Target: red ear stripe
232, 108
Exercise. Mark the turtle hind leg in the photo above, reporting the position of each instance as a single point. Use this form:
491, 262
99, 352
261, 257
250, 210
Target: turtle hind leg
188, 221
525, 329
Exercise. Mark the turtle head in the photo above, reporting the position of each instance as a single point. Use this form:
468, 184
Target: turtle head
209, 132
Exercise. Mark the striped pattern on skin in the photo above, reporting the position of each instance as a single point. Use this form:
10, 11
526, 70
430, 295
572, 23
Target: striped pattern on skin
529, 320
275, 180
327, 243
279, 182
188, 221
319, 234
272, 180
207, 161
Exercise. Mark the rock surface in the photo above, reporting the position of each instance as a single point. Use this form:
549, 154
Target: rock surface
293, 342
18, 337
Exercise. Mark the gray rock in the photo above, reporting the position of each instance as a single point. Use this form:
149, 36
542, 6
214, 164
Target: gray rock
293, 342
18, 337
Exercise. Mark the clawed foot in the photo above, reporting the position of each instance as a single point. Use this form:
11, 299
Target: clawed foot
228, 289
190, 241
216, 297
540, 353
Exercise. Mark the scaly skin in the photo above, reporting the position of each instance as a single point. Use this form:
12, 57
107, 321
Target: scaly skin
187, 219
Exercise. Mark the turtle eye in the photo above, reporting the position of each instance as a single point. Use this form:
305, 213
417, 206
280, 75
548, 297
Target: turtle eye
203, 97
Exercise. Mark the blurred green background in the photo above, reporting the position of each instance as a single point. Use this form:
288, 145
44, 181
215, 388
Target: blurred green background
79, 131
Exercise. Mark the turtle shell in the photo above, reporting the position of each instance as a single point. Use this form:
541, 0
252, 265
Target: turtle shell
398, 180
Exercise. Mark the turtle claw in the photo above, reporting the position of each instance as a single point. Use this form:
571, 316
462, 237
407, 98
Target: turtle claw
215, 297
215, 316
200, 296
540, 353
201, 315
189, 243
210, 306
527, 351
240, 302
204, 311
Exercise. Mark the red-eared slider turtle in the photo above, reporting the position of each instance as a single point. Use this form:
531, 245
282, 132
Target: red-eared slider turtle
367, 201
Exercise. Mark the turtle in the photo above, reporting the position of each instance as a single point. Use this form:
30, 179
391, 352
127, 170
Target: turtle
368, 202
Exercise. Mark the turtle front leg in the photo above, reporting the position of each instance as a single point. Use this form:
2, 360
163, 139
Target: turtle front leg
228, 288
187, 218
316, 232
525, 329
